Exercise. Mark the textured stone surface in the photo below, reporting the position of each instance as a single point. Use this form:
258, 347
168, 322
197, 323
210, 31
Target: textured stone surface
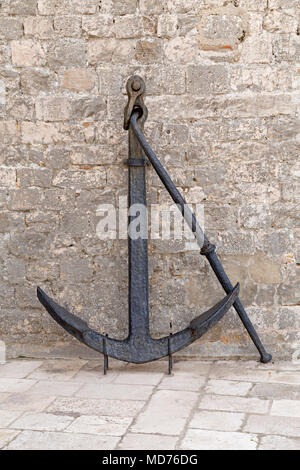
36, 440
104, 425
286, 408
167, 406
15, 385
18, 369
217, 420
6, 435
280, 425
160, 418
147, 441
217, 440
279, 443
234, 403
222, 83
6, 417
42, 422
26, 402
226, 387
98, 406
131, 392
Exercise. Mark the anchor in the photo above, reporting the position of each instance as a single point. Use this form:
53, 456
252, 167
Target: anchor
139, 346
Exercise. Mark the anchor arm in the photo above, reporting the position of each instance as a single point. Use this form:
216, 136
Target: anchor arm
208, 319
137, 349
71, 323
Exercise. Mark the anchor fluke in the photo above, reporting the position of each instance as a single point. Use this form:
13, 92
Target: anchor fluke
71, 323
141, 348
208, 319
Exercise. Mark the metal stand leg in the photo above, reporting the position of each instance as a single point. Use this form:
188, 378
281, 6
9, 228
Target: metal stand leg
170, 355
105, 356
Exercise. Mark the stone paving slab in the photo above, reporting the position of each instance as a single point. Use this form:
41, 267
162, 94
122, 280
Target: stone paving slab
234, 403
15, 385
18, 369
280, 425
7, 417
115, 392
182, 381
56, 388
6, 435
57, 369
42, 422
36, 440
92, 372
70, 404
217, 440
166, 412
85, 406
148, 442
286, 408
138, 378
94, 376
199, 368
217, 420
227, 387
4, 396
220, 371
103, 425
275, 364
275, 391
26, 402
279, 443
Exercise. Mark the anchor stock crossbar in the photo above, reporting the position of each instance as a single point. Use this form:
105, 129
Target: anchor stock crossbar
139, 346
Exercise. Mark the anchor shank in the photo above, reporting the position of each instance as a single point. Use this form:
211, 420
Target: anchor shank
137, 240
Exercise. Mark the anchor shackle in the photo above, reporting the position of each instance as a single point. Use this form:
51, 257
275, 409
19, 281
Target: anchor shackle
136, 89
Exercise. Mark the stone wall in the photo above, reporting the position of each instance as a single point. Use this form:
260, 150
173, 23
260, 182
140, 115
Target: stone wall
222, 91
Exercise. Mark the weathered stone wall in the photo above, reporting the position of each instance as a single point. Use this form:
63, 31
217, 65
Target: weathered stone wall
222, 91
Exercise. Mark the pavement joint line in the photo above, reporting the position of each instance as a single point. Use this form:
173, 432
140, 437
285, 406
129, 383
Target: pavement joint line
81, 385
155, 388
259, 439
54, 398
19, 431
187, 424
152, 433
68, 425
245, 420
34, 383
270, 407
194, 409
18, 417
248, 394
